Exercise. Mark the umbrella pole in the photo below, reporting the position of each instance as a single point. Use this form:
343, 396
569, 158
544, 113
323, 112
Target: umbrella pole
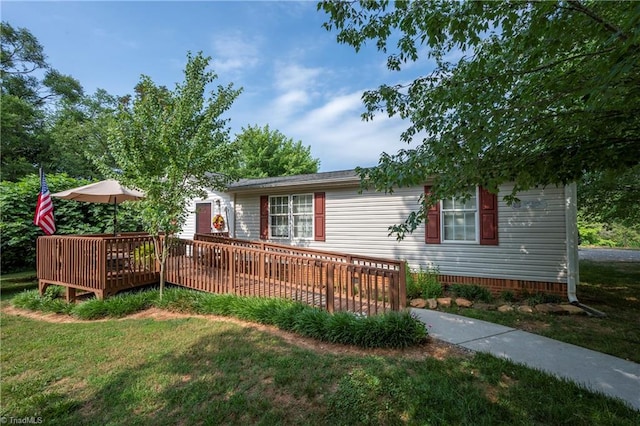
115, 216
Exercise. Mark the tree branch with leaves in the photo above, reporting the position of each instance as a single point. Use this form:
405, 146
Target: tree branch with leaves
172, 145
544, 93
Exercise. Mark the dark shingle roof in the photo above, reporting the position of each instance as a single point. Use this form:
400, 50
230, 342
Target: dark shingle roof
338, 177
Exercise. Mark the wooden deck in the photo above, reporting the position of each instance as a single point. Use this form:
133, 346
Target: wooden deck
101, 264
105, 265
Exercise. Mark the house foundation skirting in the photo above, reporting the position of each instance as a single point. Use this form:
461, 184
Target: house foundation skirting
498, 285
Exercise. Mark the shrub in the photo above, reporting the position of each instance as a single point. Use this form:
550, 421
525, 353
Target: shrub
221, 304
340, 328
91, 309
54, 292
428, 282
286, 315
393, 329
312, 323
539, 298
412, 288
116, 306
608, 235
179, 299
622, 236
29, 299
423, 283
471, 292
507, 296
32, 300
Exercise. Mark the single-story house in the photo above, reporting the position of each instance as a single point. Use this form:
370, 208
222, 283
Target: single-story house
530, 245
203, 211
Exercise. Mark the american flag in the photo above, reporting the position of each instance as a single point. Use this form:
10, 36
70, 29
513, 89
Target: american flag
44, 209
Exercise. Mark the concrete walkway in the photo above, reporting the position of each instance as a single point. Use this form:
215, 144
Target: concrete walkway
603, 373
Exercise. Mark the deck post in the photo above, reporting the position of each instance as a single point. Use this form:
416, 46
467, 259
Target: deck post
70, 294
42, 286
231, 270
330, 304
394, 296
402, 284
102, 264
262, 261
349, 278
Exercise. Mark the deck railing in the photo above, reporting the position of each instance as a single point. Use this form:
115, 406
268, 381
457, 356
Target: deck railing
105, 264
337, 281
102, 264
304, 252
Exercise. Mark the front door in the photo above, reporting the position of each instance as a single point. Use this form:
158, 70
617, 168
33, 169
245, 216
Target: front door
203, 218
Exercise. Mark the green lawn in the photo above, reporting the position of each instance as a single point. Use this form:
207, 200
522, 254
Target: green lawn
11, 284
199, 371
193, 370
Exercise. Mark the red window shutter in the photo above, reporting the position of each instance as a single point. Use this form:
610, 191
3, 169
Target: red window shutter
432, 227
264, 217
318, 216
488, 218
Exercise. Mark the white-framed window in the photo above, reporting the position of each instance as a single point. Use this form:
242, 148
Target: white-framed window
279, 217
460, 220
291, 216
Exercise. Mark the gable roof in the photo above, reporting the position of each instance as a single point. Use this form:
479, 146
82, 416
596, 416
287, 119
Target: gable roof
337, 178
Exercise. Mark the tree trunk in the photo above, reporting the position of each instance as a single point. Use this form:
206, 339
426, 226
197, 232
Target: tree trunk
161, 256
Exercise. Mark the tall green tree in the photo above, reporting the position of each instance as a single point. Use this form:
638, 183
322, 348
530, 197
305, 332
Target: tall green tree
30, 87
78, 132
168, 143
611, 197
544, 93
264, 152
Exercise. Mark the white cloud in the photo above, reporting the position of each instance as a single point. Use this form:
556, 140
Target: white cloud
295, 87
335, 109
233, 52
289, 103
340, 138
294, 77
311, 104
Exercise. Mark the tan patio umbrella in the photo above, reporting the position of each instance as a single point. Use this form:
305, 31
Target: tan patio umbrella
106, 191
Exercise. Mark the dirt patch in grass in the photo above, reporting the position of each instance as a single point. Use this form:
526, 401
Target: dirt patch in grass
41, 316
433, 348
574, 323
533, 326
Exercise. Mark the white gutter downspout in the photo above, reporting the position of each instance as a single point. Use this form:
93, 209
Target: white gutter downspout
571, 226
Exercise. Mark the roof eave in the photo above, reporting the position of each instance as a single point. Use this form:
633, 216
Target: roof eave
331, 183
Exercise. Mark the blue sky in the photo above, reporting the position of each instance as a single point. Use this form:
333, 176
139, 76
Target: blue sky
294, 74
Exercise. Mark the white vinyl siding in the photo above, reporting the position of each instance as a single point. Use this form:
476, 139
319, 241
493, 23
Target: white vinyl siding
225, 209
531, 235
